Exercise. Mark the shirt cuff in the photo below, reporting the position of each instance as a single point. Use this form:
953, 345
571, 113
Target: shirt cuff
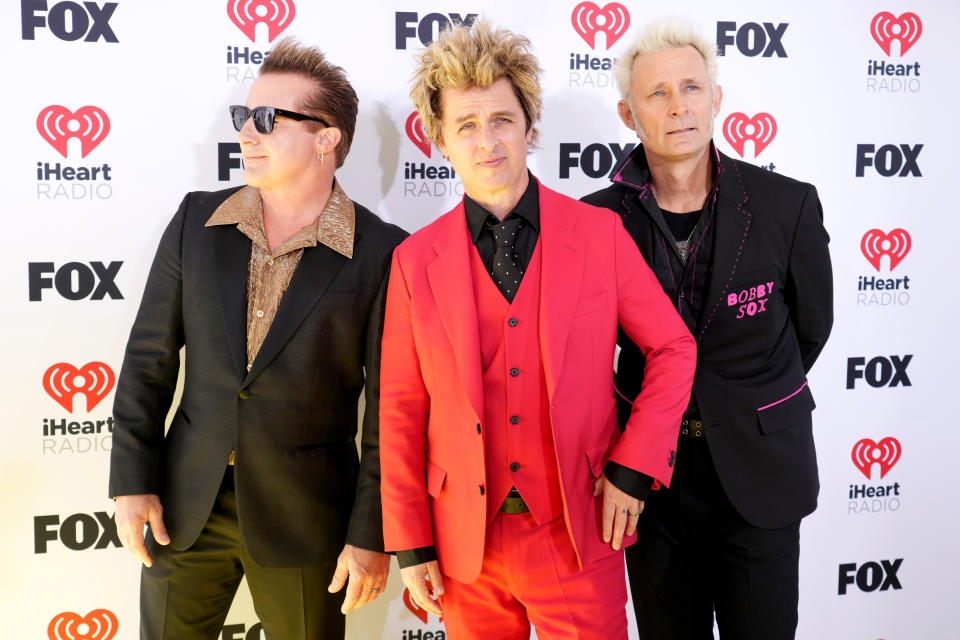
633, 483
412, 557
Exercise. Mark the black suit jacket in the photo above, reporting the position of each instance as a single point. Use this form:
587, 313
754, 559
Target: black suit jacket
752, 356
292, 419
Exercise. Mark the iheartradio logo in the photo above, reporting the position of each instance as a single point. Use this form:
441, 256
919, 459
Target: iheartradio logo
247, 14
99, 624
866, 453
63, 381
414, 128
875, 244
57, 125
589, 19
414, 609
885, 28
738, 128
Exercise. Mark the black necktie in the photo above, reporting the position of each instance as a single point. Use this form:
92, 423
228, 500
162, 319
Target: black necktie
505, 269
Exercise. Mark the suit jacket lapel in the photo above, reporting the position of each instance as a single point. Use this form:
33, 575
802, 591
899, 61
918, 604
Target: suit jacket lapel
317, 268
562, 255
451, 283
232, 259
732, 218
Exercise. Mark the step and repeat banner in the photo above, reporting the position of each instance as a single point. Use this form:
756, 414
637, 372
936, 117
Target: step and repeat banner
116, 108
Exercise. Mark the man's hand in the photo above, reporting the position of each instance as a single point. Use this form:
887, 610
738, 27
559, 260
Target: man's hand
620, 511
415, 578
132, 513
367, 571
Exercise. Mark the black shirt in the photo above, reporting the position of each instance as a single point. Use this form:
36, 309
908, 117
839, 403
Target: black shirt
681, 224
479, 221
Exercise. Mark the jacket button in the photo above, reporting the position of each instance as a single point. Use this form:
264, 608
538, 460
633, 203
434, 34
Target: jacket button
514, 419
244, 394
481, 489
514, 466
513, 322
514, 372
478, 427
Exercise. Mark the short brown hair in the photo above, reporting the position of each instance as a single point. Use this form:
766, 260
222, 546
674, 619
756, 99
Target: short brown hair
334, 100
476, 55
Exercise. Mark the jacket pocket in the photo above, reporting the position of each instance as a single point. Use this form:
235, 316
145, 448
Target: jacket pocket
435, 479
786, 411
591, 304
596, 458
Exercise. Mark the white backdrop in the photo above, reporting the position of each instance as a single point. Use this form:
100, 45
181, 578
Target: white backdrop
118, 108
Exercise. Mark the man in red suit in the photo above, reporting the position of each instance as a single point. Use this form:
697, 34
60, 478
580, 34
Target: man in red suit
506, 482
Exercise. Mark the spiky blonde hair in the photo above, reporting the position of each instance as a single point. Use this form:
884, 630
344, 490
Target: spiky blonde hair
476, 55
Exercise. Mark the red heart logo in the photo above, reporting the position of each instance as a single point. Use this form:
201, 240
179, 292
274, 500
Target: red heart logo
247, 14
589, 19
416, 134
875, 244
885, 28
738, 128
89, 124
63, 381
866, 453
99, 624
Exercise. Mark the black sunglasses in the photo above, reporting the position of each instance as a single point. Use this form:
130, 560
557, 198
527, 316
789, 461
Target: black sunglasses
263, 117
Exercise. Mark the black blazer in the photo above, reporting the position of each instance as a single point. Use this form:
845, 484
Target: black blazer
292, 419
750, 382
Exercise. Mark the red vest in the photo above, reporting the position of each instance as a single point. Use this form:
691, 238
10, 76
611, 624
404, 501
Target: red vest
519, 441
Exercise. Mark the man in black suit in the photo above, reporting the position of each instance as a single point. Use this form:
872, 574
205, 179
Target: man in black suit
742, 252
276, 290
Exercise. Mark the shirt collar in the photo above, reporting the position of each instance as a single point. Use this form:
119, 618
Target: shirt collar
335, 226
635, 171
528, 208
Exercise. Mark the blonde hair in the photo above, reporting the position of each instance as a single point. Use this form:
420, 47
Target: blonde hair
476, 55
334, 99
665, 33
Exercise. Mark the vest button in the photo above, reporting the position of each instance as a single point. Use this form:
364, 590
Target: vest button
481, 489
244, 394
514, 372
513, 322
514, 419
514, 466
478, 427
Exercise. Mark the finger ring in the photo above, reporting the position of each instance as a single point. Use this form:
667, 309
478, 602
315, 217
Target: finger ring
634, 515
375, 590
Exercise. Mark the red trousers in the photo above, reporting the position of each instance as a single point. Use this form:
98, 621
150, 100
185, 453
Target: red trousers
530, 575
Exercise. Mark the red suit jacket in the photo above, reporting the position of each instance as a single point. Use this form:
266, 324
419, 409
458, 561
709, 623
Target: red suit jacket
431, 395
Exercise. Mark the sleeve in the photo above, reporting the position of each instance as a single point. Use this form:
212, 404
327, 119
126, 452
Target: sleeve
404, 409
651, 323
366, 520
148, 376
809, 284
633, 483
412, 557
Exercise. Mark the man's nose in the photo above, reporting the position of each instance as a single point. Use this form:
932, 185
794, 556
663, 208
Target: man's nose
248, 132
486, 138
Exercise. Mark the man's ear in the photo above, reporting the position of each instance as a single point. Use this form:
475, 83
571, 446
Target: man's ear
626, 115
327, 139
